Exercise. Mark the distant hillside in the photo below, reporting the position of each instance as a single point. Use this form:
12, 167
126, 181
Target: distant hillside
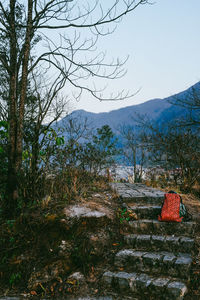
160, 110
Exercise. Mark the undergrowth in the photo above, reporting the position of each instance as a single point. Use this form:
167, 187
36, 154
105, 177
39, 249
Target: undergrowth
31, 241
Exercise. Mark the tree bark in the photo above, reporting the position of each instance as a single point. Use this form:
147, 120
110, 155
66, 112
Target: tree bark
23, 91
12, 193
16, 110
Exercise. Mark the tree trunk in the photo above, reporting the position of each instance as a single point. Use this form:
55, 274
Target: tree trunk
134, 164
16, 111
12, 192
24, 80
34, 161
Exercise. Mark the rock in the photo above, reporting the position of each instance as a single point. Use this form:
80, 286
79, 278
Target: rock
142, 282
78, 277
158, 241
176, 290
143, 285
158, 286
97, 195
183, 265
92, 217
122, 279
152, 262
143, 240
187, 243
79, 298
168, 264
107, 278
78, 283
10, 298
129, 259
78, 211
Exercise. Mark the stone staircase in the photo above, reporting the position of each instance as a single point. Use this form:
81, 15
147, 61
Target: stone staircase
156, 259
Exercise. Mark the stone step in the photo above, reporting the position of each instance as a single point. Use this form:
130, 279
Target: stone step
157, 227
146, 211
69, 298
138, 193
166, 263
143, 200
114, 296
160, 242
144, 286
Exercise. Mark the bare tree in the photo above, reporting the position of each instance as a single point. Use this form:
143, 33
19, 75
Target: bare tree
76, 130
190, 102
68, 56
133, 150
173, 148
43, 103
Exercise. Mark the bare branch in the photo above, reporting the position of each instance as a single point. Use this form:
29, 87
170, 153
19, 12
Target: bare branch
106, 17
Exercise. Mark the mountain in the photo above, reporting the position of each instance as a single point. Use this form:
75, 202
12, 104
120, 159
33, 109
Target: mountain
160, 110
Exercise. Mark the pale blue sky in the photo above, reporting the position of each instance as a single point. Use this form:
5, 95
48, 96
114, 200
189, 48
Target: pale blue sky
163, 43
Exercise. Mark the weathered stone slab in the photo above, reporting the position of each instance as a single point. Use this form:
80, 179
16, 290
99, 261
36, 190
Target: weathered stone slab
119, 280
122, 257
157, 248
131, 240
173, 242
82, 212
146, 212
176, 290
138, 193
158, 286
166, 263
143, 241
122, 279
163, 228
107, 278
78, 211
11, 298
187, 244
152, 263
173, 228
152, 259
134, 226
129, 259
146, 286
95, 298
169, 259
182, 266
160, 242
142, 283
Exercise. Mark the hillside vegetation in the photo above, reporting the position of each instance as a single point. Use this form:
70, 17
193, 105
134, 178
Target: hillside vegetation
58, 216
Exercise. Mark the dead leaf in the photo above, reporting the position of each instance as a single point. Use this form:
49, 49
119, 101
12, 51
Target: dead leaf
51, 217
73, 282
33, 293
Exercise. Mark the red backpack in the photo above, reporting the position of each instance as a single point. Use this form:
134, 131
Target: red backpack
170, 211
